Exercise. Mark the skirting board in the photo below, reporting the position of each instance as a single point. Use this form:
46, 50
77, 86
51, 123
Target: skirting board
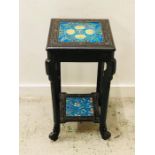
45, 91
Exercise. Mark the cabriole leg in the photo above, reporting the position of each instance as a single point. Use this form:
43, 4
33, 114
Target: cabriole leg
104, 88
53, 71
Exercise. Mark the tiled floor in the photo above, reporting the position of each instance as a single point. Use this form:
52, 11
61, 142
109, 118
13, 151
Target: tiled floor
75, 138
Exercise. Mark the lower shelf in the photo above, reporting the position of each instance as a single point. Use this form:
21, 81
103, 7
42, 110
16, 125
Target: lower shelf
79, 107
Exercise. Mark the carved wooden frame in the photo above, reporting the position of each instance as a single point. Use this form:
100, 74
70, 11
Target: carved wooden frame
54, 32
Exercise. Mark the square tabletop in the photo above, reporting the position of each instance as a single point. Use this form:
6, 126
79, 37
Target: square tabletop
80, 33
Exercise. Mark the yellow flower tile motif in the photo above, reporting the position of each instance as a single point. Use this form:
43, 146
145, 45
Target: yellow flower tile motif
80, 36
79, 27
89, 31
70, 31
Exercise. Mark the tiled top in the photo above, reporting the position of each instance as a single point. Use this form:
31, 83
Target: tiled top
79, 106
80, 32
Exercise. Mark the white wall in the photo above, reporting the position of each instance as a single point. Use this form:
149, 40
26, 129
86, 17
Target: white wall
34, 25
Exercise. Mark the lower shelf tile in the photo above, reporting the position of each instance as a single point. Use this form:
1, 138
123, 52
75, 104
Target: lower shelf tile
79, 107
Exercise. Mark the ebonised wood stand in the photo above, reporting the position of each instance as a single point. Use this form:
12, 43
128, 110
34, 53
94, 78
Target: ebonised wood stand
102, 53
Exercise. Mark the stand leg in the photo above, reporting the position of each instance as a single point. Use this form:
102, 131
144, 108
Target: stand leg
105, 134
99, 79
53, 71
104, 88
56, 130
